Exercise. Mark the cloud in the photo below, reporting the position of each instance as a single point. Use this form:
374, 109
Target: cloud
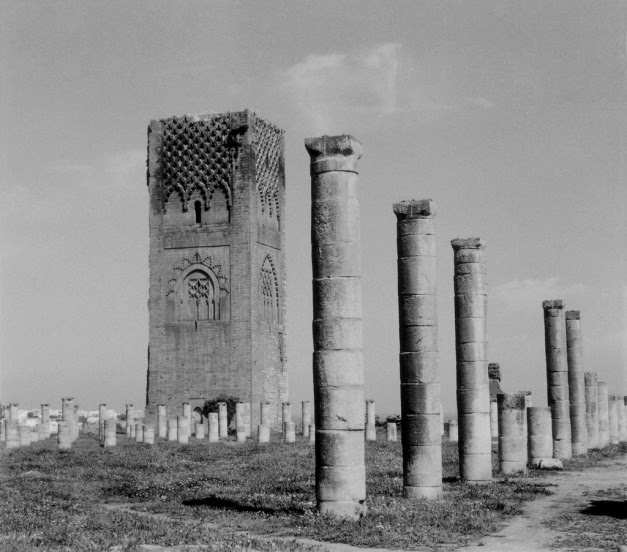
523, 295
336, 88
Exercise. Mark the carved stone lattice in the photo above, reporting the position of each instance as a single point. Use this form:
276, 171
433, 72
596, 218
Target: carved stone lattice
268, 144
196, 156
269, 290
208, 264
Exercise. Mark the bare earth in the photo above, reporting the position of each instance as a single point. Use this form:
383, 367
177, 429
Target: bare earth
528, 532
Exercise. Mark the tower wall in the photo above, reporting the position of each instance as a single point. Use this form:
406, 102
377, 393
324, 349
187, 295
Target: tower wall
217, 263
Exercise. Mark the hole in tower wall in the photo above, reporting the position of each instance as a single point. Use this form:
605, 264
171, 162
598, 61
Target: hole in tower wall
198, 211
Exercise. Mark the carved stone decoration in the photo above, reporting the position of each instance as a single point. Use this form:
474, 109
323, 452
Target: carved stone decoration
268, 145
205, 262
269, 291
198, 154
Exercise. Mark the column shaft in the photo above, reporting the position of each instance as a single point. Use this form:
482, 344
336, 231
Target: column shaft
473, 394
576, 384
337, 326
592, 413
557, 376
421, 408
603, 409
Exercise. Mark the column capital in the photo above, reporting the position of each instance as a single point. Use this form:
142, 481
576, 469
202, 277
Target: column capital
552, 304
333, 153
414, 208
468, 243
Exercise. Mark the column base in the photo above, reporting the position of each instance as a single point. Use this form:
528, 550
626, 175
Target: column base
345, 509
417, 493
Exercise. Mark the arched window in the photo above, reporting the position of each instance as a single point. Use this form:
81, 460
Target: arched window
199, 301
268, 292
198, 211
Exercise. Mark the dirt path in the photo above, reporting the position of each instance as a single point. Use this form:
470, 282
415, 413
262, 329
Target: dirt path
527, 532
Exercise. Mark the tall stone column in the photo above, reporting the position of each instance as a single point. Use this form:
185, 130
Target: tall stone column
64, 437
110, 437
182, 429
306, 418
286, 415
337, 326
613, 419
473, 395
240, 427
603, 409
173, 429
494, 374
592, 414
576, 384
223, 422
557, 376
214, 432
13, 411
512, 433
421, 408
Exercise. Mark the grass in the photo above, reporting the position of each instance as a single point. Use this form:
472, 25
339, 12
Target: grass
91, 498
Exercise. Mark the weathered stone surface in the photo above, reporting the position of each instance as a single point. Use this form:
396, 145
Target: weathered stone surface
338, 388
162, 421
391, 431
214, 427
289, 432
512, 432
110, 433
576, 383
263, 433
539, 431
603, 410
223, 420
452, 431
473, 396
149, 435
217, 262
64, 435
305, 418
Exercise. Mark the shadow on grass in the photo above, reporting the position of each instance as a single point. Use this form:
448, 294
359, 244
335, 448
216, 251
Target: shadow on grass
610, 508
228, 504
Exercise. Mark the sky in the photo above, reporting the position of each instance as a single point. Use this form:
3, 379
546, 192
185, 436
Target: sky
511, 116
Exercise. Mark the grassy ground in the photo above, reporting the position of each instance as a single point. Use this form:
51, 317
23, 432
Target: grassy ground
91, 498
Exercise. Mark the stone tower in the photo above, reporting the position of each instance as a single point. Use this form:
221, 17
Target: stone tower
217, 261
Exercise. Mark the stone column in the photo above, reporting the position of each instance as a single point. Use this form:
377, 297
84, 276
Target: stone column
452, 431
139, 432
173, 429
42, 430
162, 421
391, 431
306, 418
13, 411
182, 430
240, 427
592, 414
109, 433
187, 413
625, 410
102, 413
494, 420
539, 435
512, 433
290, 432
421, 410
24, 432
133, 428
576, 384
45, 420
200, 430
149, 435
130, 417
603, 410
557, 376
337, 326
494, 375
473, 395
11, 434
371, 426
620, 411
64, 437
312, 433
2, 430
263, 433
612, 419
127, 429
214, 434
264, 417
246, 417
34, 434
286, 415
223, 420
